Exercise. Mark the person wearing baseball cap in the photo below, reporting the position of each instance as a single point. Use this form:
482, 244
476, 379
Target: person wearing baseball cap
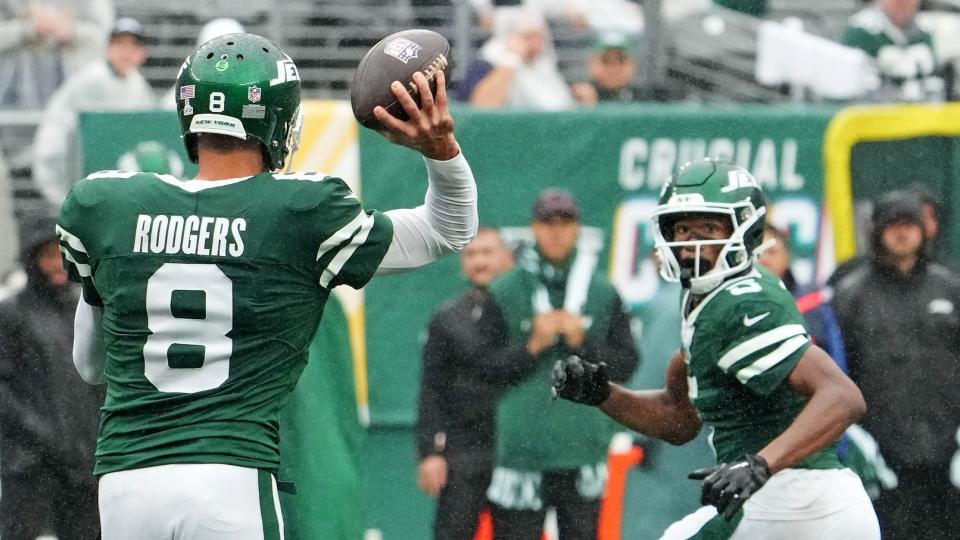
554, 204
128, 26
612, 68
555, 221
112, 84
554, 303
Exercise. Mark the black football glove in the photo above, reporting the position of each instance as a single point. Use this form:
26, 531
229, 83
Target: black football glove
581, 381
728, 485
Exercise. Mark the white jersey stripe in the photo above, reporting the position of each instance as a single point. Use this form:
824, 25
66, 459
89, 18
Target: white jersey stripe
778, 355
71, 240
82, 269
342, 235
344, 255
758, 343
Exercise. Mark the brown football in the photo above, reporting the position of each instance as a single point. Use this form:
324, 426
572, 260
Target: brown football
396, 58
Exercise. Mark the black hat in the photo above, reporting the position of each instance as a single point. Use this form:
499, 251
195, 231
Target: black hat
897, 206
35, 231
555, 204
894, 207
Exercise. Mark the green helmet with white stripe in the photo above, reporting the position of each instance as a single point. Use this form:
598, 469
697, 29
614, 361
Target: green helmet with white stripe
706, 187
244, 86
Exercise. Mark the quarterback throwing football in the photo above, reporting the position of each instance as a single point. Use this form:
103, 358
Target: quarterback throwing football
200, 297
776, 402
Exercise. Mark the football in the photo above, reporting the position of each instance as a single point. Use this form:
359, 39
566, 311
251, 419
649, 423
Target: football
396, 58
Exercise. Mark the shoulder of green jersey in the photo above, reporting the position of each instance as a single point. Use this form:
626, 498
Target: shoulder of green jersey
740, 281
316, 192
791, 335
344, 233
194, 186
734, 286
358, 230
111, 175
749, 321
309, 176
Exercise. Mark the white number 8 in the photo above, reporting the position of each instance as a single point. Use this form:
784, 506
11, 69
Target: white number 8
209, 332
217, 101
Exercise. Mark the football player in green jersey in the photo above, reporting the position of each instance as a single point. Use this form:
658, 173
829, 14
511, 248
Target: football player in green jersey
776, 403
200, 297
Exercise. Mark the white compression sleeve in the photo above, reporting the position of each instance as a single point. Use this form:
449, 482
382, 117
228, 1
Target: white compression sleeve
446, 222
89, 353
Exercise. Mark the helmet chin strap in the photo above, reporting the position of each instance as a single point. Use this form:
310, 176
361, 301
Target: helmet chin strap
686, 273
293, 138
767, 244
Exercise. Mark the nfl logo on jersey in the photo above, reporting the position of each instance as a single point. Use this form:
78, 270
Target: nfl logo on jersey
402, 49
253, 94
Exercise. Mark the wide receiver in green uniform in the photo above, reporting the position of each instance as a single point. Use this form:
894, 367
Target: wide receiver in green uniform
776, 403
201, 297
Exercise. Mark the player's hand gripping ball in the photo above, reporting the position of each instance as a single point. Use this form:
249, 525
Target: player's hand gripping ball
396, 58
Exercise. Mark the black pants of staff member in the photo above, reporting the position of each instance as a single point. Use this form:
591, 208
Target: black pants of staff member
45, 504
576, 516
924, 505
460, 503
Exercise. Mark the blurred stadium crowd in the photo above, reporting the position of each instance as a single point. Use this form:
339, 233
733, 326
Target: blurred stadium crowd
62, 57
580, 53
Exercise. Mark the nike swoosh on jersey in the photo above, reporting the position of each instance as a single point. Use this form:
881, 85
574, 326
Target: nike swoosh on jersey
750, 321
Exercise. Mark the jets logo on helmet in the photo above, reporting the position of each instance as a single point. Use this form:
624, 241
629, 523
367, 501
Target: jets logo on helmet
714, 188
222, 74
286, 72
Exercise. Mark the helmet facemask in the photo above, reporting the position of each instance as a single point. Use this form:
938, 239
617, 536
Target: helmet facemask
733, 258
714, 189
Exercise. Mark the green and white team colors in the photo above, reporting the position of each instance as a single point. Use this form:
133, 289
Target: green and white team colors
243, 503
795, 504
211, 292
740, 343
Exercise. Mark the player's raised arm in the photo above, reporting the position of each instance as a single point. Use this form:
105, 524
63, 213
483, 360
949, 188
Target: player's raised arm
447, 220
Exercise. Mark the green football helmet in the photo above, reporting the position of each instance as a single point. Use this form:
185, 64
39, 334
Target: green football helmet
244, 86
710, 186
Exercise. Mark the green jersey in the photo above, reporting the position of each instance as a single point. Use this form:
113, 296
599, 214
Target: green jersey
905, 57
740, 342
211, 292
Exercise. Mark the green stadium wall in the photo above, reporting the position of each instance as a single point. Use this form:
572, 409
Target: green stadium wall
614, 160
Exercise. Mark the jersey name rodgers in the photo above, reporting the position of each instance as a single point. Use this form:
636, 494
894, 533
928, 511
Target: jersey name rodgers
211, 292
740, 343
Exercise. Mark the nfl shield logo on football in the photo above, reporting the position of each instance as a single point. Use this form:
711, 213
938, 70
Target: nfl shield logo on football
402, 49
253, 94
